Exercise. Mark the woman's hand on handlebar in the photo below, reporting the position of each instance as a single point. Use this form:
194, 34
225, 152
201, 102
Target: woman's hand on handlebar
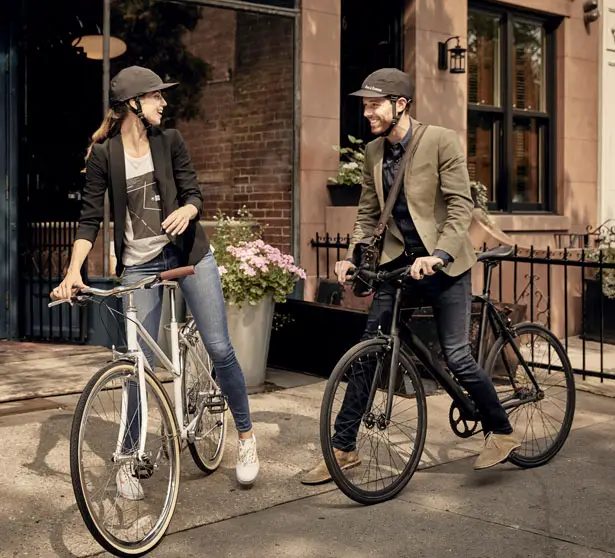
71, 283
425, 266
342, 269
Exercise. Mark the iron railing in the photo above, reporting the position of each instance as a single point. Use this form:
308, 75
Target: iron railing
325, 243
44, 258
569, 290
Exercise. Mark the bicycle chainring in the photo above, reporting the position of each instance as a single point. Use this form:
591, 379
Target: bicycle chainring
462, 426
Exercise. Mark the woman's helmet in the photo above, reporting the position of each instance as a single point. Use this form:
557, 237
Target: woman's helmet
131, 83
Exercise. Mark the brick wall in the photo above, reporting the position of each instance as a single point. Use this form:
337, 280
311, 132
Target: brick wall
241, 145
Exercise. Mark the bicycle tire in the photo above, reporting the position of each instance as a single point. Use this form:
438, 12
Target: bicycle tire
355, 493
517, 457
206, 465
106, 540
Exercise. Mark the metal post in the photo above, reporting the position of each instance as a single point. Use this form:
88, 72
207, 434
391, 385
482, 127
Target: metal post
106, 79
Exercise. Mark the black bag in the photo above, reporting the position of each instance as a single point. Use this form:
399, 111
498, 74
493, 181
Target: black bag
367, 251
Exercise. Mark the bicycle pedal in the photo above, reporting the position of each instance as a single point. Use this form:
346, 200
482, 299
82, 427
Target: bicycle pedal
143, 470
217, 409
216, 404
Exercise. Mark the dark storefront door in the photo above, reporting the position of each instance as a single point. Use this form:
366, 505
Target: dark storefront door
372, 38
8, 202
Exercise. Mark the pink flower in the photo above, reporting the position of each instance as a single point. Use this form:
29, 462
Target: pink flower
247, 270
222, 270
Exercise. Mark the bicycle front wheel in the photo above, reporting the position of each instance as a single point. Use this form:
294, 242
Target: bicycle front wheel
385, 450
540, 404
126, 499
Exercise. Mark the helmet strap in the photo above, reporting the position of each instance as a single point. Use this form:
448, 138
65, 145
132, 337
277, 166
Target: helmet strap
139, 112
396, 117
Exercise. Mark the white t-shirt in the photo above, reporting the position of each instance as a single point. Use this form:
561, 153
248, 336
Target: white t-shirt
143, 234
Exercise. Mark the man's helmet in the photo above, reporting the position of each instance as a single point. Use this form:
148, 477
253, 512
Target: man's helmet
390, 83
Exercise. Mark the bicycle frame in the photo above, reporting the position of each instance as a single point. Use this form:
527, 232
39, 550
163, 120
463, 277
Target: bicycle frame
489, 314
134, 327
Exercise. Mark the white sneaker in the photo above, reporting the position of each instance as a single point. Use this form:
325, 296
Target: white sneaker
247, 461
128, 487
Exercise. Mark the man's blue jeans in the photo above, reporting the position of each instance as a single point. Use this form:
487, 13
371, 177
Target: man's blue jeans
203, 295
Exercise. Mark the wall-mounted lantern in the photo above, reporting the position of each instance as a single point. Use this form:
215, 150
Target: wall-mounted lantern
457, 57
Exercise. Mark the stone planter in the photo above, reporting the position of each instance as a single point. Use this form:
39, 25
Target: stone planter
250, 332
599, 313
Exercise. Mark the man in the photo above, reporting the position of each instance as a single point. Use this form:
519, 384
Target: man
428, 225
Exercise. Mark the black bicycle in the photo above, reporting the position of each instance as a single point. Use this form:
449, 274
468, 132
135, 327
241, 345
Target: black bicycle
386, 408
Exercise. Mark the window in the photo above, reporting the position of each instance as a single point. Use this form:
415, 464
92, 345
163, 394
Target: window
511, 91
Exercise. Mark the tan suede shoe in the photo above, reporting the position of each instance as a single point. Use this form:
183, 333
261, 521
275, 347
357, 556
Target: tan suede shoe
320, 473
497, 449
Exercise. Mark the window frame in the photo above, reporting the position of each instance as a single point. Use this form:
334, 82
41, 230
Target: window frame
505, 114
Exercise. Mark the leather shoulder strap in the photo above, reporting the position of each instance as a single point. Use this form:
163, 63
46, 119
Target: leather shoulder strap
397, 182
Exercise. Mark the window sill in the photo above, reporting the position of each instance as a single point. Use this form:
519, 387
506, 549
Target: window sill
535, 222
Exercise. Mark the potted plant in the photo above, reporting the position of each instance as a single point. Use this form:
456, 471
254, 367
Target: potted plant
345, 186
254, 277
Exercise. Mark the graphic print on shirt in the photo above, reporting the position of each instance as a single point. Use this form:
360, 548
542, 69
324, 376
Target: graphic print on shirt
144, 206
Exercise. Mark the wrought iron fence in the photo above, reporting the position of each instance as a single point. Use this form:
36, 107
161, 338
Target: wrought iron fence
324, 244
570, 290
45, 255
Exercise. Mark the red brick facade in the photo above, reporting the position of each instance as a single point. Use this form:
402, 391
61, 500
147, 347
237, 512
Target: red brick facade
241, 145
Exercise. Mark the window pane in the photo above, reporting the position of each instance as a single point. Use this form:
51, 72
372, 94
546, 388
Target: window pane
529, 66
482, 151
528, 168
483, 58
229, 65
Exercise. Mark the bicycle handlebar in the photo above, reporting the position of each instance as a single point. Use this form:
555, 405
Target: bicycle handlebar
386, 276
84, 294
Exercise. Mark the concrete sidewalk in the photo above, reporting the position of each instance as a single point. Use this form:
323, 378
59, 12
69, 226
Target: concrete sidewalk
30, 370
563, 509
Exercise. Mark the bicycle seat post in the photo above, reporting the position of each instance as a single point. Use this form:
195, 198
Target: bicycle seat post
487, 279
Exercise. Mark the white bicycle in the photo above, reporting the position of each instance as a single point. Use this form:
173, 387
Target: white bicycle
126, 423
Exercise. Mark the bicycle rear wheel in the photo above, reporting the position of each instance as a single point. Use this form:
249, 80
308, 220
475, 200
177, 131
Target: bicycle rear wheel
201, 389
104, 457
540, 414
387, 453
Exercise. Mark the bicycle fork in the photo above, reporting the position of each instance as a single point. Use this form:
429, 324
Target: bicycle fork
134, 350
393, 367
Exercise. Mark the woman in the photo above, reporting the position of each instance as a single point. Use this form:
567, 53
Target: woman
154, 192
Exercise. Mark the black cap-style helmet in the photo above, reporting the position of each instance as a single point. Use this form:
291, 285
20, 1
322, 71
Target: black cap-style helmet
131, 83
390, 83
386, 82
135, 81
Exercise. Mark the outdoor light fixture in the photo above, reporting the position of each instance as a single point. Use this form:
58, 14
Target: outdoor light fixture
92, 45
457, 54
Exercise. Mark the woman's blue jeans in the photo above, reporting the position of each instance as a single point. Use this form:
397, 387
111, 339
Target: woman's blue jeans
203, 295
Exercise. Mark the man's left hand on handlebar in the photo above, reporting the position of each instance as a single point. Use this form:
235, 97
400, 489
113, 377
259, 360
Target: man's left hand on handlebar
424, 266
342, 269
